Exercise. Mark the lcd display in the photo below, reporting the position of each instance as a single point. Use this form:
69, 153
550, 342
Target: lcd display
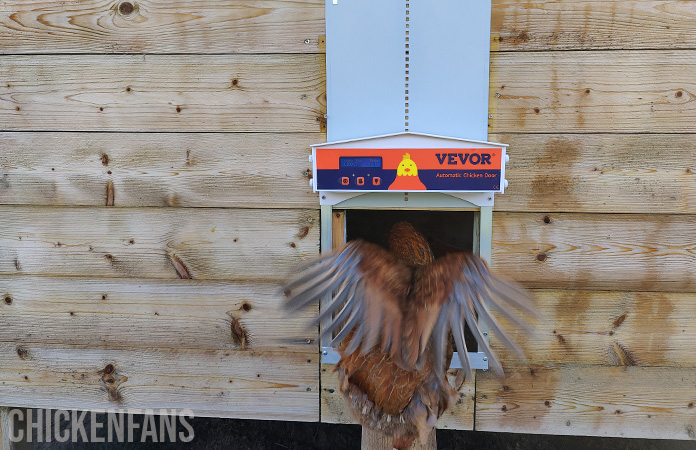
360, 161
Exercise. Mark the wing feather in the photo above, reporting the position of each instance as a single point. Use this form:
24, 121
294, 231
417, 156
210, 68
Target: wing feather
367, 286
453, 292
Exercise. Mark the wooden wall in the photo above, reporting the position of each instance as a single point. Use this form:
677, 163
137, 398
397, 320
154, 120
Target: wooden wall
596, 102
142, 142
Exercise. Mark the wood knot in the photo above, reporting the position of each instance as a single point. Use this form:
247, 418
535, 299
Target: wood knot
304, 231
179, 266
547, 219
111, 380
105, 159
619, 320
22, 352
541, 257
127, 8
8, 300
240, 337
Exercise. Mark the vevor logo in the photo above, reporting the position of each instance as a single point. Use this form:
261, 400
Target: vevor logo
462, 158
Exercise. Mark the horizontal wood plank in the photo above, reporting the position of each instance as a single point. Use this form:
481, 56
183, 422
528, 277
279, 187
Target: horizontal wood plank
460, 415
637, 402
608, 328
136, 313
597, 251
222, 383
170, 243
264, 170
152, 26
588, 25
619, 91
162, 93
606, 173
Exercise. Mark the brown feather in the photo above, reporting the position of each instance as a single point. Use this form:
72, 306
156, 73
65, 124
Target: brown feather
392, 315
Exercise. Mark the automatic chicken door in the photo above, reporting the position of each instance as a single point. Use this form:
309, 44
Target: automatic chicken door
444, 186
407, 127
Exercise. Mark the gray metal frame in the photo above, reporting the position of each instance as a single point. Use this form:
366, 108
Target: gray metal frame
483, 232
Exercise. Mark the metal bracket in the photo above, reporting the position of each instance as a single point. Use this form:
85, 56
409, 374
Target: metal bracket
478, 360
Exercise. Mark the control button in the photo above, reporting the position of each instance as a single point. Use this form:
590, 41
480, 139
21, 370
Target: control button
376, 181
345, 181
361, 181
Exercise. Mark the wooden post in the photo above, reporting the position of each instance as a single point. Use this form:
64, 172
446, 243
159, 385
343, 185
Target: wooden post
374, 440
5, 442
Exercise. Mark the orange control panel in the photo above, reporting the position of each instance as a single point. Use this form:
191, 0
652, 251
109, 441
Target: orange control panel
408, 170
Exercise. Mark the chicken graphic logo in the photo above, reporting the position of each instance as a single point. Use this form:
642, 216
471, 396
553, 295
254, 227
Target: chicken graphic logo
407, 176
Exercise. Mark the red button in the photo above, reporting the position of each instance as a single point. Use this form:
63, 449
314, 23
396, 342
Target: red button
345, 181
376, 181
361, 181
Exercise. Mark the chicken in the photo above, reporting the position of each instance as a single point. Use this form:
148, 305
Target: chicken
394, 313
407, 178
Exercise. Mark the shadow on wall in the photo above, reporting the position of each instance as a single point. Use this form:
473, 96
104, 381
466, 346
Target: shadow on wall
238, 434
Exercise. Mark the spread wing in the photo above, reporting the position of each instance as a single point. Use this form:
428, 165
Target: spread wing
455, 290
367, 286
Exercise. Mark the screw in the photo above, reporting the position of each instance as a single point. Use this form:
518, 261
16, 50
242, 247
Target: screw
325, 353
305, 173
308, 341
490, 116
497, 95
323, 197
310, 220
485, 359
485, 333
490, 198
306, 41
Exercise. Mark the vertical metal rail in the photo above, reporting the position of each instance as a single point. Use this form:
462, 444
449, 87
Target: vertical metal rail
485, 248
326, 222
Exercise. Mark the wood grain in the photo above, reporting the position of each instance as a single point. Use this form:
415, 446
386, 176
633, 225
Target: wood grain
588, 25
5, 429
615, 92
237, 244
137, 313
211, 383
153, 26
264, 170
639, 402
608, 328
605, 173
460, 416
244, 93
637, 252
374, 440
